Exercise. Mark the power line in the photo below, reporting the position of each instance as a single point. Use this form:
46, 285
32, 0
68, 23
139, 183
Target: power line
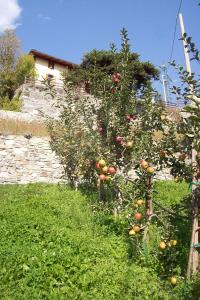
174, 37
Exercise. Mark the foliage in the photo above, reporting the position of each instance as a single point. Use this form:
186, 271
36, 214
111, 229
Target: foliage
14, 68
53, 247
13, 105
25, 68
106, 62
9, 51
108, 124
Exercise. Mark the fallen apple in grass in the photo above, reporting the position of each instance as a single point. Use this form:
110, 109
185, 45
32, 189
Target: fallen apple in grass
173, 280
162, 245
140, 202
136, 228
138, 216
129, 144
132, 232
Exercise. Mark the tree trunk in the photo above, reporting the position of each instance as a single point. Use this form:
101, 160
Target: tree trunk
149, 202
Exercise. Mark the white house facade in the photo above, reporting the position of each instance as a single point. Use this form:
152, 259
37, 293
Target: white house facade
50, 67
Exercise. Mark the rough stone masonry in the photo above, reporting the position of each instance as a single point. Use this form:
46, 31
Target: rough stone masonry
25, 160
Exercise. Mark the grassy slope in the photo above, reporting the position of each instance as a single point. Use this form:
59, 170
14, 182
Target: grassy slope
51, 247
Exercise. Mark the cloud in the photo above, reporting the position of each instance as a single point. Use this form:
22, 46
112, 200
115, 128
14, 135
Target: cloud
10, 11
43, 17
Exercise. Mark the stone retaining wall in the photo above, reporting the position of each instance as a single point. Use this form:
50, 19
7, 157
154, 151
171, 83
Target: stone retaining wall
25, 160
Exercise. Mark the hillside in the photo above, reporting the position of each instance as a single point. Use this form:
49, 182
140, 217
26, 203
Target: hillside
54, 247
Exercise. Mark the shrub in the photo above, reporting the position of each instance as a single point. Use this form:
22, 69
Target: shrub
12, 105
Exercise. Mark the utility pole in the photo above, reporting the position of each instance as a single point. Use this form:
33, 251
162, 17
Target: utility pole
193, 260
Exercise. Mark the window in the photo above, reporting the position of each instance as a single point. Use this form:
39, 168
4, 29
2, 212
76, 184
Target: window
51, 65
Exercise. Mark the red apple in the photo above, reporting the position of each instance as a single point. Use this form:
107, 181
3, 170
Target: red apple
97, 166
100, 129
116, 77
144, 164
111, 170
138, 216
102, 177
118, 139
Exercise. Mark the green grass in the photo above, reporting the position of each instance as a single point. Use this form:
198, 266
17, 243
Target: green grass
170, 192
53, 247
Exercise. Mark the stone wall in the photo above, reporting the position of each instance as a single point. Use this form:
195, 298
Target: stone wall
25, 160
29, 160
37, 102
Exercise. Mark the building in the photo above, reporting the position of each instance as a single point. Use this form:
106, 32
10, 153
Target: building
50, 67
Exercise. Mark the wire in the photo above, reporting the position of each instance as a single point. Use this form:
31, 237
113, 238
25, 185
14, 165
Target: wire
174, 36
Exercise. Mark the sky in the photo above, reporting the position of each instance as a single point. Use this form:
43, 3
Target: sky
70, 28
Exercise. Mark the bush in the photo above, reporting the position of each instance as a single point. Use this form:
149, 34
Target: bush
11, 105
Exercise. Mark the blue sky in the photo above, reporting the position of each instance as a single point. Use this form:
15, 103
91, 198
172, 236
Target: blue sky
70, 28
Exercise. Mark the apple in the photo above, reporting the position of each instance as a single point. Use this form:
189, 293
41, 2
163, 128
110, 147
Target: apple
144, 164
100, 129
173, 280
136, 228
111, 170
162, 154
129, 144
105, 169
140, 202
97, 166
150, 170
118, 139
173, 242
108, 178
131, 118
162, 245
132, 232
182, 156
116, 77
102, 163
138, 216
102, 177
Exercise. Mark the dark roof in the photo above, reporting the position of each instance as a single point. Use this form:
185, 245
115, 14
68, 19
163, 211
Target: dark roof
48, 57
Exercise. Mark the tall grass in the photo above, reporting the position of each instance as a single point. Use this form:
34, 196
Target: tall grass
17, 127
